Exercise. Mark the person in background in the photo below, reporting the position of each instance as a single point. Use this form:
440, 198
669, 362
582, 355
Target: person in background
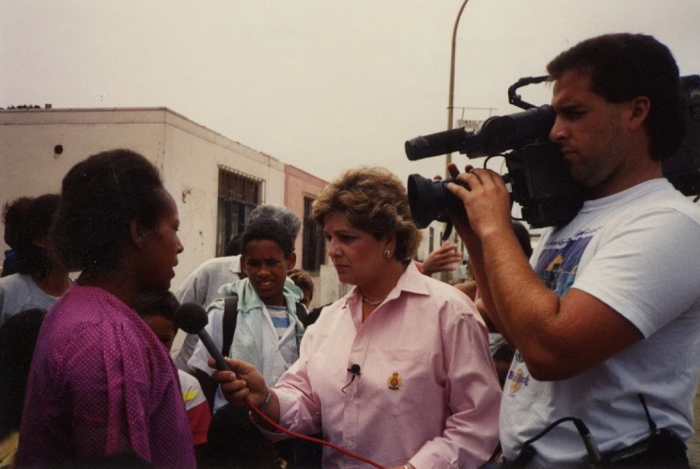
12, 217
398, 370
233, 248
18, 338
202, 287
446, 258
101, 383
235, 445
303, 280
268, 330
41, 278
468, 285
204, 284
157, 308
501, 350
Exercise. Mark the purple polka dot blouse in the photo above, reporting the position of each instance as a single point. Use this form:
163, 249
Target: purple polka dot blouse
101, 383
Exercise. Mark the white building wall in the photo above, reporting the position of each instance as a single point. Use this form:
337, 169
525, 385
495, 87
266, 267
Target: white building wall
188, 155
28, 165
191, 174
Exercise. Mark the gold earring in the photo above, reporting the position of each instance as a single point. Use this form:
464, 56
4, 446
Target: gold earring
387, 254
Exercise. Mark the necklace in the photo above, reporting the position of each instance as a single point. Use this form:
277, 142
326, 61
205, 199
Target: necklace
372, 303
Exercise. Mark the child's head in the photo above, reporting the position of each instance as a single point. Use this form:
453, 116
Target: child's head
267, 252
303, 280
157, 309
278, 213
35, 253
12, 217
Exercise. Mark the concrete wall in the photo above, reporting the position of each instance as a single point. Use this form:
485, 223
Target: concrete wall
188, 155
28, 164
193, 157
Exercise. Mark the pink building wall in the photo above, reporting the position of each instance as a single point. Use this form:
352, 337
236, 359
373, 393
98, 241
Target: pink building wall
298, 184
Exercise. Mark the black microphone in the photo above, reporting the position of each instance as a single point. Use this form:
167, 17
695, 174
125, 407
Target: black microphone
191, 318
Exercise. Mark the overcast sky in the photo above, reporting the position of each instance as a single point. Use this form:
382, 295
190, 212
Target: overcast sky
322, 85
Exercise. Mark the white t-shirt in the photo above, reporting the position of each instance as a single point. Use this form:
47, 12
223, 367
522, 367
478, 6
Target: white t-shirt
638, 251
19, 292
192, 393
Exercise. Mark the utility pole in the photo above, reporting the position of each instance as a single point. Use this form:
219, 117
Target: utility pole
451, 94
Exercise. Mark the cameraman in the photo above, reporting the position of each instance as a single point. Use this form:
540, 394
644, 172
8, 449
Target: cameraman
612, 308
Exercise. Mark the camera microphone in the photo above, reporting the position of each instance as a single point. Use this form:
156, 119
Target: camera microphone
191, 318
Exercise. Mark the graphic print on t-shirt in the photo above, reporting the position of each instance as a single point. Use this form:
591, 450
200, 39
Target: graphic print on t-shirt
556, 267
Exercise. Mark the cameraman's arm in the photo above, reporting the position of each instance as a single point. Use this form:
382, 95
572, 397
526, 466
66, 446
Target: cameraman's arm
558, 338
476, 259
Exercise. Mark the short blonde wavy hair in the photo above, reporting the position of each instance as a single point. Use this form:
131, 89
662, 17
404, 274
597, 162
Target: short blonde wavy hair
375, 201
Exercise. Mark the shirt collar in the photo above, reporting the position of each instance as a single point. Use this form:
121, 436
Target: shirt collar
248, 298
411, 281
235, 266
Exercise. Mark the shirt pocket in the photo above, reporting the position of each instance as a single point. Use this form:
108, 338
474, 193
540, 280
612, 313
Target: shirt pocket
395, 380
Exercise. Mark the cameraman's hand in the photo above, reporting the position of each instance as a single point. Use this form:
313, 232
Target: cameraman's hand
446, 258
460, 221
486, 202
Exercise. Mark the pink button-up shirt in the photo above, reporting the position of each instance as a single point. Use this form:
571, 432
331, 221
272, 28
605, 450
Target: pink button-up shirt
427, 390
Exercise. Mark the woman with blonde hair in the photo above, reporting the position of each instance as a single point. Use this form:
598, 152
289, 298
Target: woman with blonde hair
399, 369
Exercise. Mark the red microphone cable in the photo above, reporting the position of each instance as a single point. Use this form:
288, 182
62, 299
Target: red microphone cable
308, 438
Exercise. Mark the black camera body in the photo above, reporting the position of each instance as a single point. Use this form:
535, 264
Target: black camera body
538, 174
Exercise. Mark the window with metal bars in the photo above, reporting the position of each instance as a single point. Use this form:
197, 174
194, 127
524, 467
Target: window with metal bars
314, 249
239, 194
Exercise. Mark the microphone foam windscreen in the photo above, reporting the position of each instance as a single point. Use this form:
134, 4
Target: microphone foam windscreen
191, 318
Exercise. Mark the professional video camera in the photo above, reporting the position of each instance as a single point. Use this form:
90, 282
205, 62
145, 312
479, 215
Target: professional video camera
539, 177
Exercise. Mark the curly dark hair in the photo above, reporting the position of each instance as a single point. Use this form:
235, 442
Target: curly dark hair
156, 303
626, 66
100, 197
32, 259
12, 216
269, 229
374, 200
18, 337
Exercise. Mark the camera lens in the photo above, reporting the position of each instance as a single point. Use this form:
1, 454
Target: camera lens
431, 200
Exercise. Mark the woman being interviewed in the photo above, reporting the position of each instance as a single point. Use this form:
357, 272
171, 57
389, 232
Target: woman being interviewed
101, 383
399, 369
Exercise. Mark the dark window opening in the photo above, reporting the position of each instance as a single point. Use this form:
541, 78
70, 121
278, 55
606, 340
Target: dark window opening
239, 194
314, 249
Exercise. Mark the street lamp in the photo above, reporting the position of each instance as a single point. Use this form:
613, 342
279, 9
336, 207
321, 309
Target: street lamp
451, 98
